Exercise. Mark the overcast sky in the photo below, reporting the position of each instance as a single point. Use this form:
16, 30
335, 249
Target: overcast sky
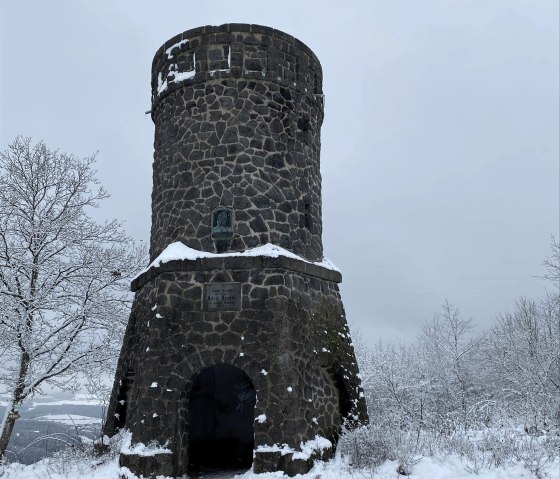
440, 145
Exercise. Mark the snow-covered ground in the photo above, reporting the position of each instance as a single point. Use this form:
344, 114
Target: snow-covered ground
449, 467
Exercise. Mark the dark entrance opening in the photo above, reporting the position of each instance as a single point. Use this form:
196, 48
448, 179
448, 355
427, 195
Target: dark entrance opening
220, 420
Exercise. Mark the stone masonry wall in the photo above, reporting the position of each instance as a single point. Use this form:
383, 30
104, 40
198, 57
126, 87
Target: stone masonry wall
290, 333
238, 111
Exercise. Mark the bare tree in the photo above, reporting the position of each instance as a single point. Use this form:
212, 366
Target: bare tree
552, 264
451, 357
525, 356
64, 278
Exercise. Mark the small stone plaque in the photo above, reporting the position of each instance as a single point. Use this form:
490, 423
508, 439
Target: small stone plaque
221, 297
222, 223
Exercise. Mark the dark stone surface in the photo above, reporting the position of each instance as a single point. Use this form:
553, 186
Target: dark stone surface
296, 333
241, 131
240, 134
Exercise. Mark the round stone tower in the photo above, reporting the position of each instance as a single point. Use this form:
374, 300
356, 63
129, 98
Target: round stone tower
237, 351
238, 111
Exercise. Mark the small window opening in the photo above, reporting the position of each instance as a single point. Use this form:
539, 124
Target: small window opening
123, 398
308, 217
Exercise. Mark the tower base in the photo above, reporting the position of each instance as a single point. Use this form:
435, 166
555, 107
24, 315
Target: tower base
248, 357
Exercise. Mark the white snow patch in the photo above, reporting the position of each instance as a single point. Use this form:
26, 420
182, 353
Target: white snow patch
178, 251
162, 84
263, 372
289, 389
158, 316
310, 447
154, 307
177, 76
261, 418
175, 45
328, 264
241, 354
181, 76
153, 385
307, 449
284, 449
226, 70
141, 449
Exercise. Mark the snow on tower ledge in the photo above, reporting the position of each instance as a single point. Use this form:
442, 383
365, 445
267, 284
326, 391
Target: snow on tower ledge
176, 253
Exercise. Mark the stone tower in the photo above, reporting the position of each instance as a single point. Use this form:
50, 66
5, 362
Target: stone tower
237, 350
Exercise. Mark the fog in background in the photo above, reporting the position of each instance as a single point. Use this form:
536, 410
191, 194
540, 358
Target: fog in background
440, 156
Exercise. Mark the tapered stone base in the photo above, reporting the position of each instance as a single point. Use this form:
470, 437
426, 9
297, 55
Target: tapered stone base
287, 347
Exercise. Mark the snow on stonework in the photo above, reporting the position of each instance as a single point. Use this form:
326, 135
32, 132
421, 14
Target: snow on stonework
307, 449
178, 251
141, 449
169, 52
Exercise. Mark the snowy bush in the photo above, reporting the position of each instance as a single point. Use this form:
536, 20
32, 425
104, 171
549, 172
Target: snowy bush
82, 455
492, 400
364, 447
370, 446
537, 452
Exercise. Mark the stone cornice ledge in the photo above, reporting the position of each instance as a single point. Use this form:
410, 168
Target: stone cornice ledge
236, 263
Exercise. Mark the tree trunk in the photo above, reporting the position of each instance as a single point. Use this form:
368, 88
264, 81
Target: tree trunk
12, 411
7, 425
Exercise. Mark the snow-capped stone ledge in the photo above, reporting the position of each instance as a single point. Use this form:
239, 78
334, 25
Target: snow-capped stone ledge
140, 449
141, 457
307, 449
179, 257
290, 460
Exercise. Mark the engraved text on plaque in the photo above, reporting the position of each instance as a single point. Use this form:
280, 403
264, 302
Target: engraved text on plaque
221, 297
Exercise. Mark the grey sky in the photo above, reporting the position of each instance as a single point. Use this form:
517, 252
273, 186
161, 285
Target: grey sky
440, 143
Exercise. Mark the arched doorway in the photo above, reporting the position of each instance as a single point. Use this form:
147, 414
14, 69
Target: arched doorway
220, 419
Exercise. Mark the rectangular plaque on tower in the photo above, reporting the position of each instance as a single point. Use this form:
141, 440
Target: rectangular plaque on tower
221, 297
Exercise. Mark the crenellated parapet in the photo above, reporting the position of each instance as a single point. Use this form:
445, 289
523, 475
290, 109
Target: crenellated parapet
235, 51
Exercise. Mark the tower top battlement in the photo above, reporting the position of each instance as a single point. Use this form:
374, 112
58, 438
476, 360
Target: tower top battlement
235, 50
